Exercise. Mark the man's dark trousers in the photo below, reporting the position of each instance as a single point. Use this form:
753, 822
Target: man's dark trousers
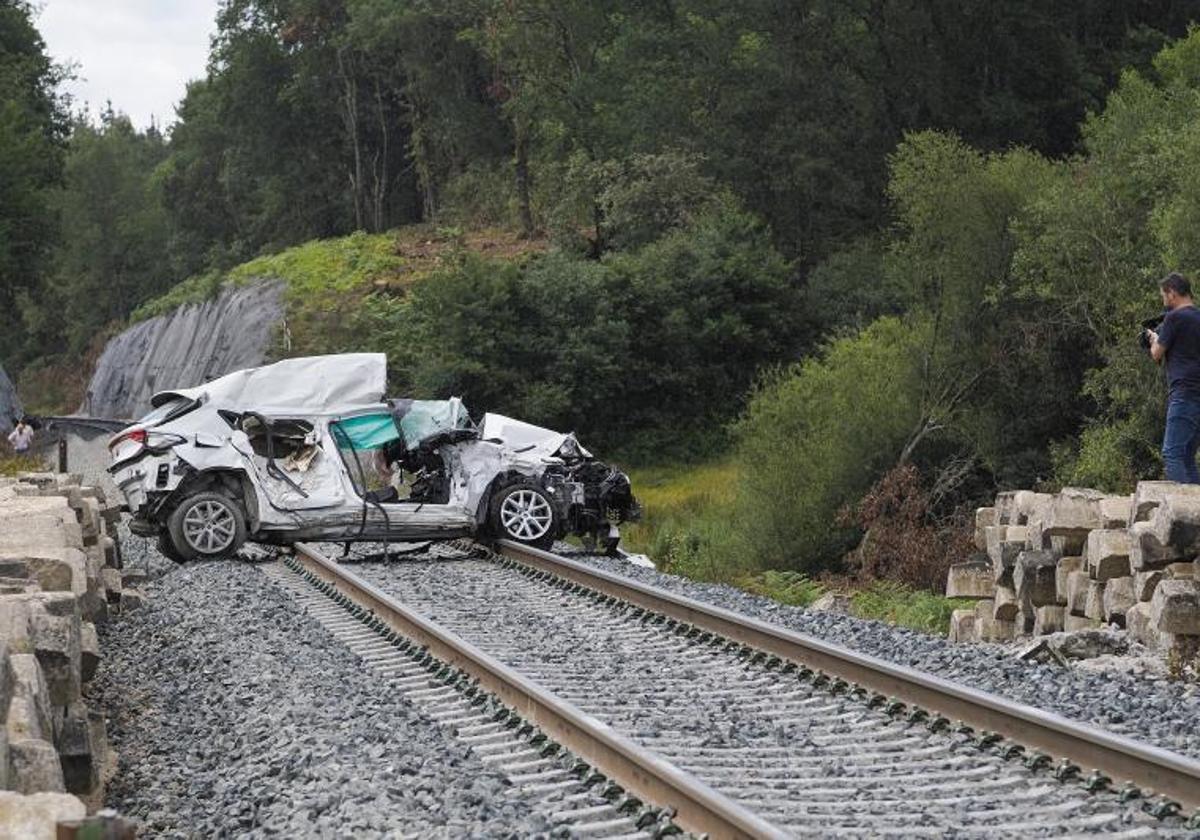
1182, 438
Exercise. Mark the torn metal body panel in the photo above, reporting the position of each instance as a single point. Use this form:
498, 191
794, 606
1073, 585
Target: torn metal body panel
309, 449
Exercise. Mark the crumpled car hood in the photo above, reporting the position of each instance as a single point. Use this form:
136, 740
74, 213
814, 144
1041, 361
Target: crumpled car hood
524, 437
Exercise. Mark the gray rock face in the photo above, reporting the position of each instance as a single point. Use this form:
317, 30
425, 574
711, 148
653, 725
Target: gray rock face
10, 403
190, 346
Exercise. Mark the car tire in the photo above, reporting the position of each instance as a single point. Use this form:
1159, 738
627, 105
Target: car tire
166, 547
207, 526
524, 513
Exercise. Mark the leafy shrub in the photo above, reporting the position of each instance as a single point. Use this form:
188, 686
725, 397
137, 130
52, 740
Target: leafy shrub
650, 351
649, 195
792, 588
482, 196
1104, 457
815, 436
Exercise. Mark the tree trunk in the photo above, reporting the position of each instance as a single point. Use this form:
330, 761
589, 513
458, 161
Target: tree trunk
381, 170
350, 115
521, 169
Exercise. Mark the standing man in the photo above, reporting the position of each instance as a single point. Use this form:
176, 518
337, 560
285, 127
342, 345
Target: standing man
1178, 341
21, 437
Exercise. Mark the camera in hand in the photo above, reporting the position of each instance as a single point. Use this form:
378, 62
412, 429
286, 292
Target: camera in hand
1147, 325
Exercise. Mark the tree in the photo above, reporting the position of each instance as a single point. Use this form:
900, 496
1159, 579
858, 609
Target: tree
110, 258
33, 130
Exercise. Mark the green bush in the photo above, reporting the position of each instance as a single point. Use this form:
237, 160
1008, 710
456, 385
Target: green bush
484, 195
792, 588
814, 438
650, 352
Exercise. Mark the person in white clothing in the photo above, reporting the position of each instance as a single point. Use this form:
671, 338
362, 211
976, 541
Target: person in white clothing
21, 437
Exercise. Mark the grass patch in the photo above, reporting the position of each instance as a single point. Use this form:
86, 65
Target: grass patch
898, 604
685, 528
353, 265
11, 464
674, 499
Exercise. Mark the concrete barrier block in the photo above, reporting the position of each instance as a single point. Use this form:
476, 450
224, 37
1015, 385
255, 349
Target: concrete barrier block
970, 580
1065, 566
1048, 619
1175, 607
962, 625
1107, 554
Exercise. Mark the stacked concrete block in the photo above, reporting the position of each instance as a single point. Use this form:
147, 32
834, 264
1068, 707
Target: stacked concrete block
1080, 559
58, 580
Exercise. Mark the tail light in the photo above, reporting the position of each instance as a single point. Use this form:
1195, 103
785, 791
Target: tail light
127, 444
134, 436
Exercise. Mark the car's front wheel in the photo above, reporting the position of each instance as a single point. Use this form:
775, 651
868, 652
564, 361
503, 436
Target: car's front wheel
524, 513
166, 547
207, 526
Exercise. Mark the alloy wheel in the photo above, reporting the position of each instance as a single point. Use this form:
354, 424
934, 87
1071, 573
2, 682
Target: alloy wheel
526, 515
209, 527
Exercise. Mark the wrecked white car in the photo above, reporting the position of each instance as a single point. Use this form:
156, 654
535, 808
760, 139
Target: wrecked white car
308, 449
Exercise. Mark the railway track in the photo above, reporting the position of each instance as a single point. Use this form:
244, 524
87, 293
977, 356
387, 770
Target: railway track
634, 706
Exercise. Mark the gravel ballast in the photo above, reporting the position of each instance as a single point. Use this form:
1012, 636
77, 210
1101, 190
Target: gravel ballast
812, 761
233, 713
1145, 707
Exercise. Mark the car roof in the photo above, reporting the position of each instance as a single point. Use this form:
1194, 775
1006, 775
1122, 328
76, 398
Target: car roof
333, 385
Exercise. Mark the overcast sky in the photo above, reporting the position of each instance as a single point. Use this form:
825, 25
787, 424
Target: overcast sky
138, 53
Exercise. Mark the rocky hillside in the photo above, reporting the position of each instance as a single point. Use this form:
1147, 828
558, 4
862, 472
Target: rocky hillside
299, 301
186, 346
10, 403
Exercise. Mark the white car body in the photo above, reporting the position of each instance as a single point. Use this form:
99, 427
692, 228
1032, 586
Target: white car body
198, 438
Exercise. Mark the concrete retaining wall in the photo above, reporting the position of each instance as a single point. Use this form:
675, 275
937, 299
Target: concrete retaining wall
10, 404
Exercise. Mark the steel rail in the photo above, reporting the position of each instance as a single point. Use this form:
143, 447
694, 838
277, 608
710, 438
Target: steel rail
1161, 771
698, 807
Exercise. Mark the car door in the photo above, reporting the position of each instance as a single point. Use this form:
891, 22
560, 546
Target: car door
364, 442
293, 463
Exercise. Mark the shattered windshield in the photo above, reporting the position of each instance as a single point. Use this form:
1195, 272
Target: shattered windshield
420, 420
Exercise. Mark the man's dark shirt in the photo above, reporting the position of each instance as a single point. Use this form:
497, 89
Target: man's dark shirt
1179, 335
